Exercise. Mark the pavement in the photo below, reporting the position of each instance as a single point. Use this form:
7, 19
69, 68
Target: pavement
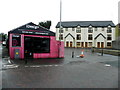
92, 71
0, 66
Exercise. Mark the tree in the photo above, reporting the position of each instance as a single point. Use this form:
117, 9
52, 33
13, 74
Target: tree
46, 24
3, 36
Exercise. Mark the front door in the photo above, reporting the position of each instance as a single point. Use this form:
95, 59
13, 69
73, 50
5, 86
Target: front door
28, 47
102, 44
71, 44
98, 44
82, 44
86, 44
67, 44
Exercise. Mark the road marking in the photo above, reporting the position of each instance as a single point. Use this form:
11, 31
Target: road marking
35, 66
43, 66
56, 65
11, 66
9, 61
107, 65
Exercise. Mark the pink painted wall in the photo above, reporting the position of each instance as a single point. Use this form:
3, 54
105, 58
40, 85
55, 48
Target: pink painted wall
56, 49
61, 49
12, 49
53, 50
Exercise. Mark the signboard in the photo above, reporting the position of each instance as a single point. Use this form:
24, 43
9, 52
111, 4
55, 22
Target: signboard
16, 40
32, 32
32, 27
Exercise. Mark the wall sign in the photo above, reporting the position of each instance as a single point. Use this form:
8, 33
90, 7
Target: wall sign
16, 40
40, 33
33, 27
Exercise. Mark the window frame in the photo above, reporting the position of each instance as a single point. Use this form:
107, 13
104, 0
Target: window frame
109, 38
90, 30
60, 30
66, 29
78, 30
60, 36
108, 44
78, 37
90, 38
109, 30
73, 29
16, 39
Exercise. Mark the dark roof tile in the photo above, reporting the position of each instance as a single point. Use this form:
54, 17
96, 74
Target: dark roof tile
85, 24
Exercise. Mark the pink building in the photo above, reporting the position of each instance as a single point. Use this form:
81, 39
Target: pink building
33, 41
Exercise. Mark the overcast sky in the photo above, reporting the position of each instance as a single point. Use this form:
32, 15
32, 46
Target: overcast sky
14, 13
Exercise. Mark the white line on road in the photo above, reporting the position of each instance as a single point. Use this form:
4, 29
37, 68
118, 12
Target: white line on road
9, 61
43, 66
11, 66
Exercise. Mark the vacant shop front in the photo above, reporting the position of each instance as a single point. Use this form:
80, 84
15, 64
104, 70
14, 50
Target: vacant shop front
38, 45
33, 41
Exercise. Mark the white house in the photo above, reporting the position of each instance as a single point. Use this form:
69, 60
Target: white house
86, 33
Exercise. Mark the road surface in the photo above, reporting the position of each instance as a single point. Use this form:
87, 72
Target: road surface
92, 71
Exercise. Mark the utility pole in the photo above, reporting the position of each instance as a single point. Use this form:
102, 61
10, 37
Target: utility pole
60, 26
60, 14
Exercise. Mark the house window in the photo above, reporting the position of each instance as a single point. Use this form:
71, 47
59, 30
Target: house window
109, 30
78, 37
61, 30
78, 30
61, 37
90, 44
78, 44
109, 44
90, 30
102, 28
90, 37
109, 37
66, 29
95, 28
73, 29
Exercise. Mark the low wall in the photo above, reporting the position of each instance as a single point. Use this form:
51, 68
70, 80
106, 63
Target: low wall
106, 51
116, 44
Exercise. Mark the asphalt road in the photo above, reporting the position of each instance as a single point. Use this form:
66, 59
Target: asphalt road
92, 71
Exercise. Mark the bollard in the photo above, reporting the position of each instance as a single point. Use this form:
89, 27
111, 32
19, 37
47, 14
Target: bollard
102, 52
72, 54
92, 50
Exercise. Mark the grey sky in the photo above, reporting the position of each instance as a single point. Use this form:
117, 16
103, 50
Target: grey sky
15, 13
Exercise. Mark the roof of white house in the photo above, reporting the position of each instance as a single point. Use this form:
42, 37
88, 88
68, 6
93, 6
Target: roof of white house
70, 24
